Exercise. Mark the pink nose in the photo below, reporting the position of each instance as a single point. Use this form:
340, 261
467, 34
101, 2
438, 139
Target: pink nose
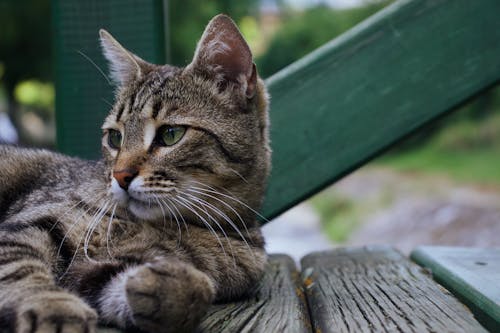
124, 177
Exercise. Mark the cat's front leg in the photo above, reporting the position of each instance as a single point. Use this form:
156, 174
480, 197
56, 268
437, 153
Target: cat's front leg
30, 301
50, 311
167, 295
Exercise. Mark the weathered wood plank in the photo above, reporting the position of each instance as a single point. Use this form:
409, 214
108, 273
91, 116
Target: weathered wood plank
472, 274
346, 102
276, 305
376, 289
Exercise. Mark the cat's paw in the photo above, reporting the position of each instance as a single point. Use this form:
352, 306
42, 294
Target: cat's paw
55, 312
168, 296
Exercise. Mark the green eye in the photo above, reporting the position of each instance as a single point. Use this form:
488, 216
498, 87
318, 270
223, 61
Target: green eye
114, 139
170, 135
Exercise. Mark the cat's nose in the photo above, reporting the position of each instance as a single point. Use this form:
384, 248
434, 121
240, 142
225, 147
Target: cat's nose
124, 177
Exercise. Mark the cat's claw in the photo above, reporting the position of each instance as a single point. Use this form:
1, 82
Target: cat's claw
58, 312
168, 297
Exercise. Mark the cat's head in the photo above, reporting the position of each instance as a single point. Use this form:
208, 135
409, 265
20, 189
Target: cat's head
188, 142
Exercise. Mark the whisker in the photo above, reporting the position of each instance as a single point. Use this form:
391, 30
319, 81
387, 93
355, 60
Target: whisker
221, 214
92, 226
107, 102
212, 190
95, 65
162, 205
204, 222
189, 202
108, 231
170, 215
70, 210
89, 227
225, 217
180, 215
239, 175
179, 229
77, 222
225, 204
74, 223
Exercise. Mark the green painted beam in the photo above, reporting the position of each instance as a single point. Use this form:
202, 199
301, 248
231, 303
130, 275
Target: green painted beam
472, 274
343, 104
83, 93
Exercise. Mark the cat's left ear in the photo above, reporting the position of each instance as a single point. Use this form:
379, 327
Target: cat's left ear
222, 49
125, 66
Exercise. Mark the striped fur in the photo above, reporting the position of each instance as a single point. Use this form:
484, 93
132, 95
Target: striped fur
79, 243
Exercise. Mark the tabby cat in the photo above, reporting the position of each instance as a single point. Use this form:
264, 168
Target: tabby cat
165, 224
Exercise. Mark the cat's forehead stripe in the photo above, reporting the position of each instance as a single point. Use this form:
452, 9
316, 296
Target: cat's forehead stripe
143, 105
161, 84
143, 96
157, 106
120, 112
125, 111
131, 103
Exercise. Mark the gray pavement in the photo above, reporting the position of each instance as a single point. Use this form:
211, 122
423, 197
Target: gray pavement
297, 232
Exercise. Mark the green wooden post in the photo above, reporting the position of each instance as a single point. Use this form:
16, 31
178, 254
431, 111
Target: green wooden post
83, 93
343, 104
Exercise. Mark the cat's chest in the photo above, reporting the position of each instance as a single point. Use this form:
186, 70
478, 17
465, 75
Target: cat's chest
124, 239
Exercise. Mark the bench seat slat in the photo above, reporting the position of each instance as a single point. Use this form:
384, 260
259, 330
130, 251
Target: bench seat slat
277, 305
376, 289
472, 274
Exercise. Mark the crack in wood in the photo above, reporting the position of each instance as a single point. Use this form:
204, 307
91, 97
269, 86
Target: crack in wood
376, 289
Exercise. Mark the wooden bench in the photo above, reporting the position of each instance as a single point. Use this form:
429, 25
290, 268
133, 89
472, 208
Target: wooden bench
332, 111
369, 289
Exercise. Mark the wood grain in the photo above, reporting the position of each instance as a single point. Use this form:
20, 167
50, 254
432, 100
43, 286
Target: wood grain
472, 274
376, 289
276, 305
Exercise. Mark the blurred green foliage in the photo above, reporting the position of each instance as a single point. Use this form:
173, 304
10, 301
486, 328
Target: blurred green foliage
34, 93
302, 32
464, 145
188, 18
339, 216
25, 41
27, 69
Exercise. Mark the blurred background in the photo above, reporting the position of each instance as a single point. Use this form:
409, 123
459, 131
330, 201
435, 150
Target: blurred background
441, 186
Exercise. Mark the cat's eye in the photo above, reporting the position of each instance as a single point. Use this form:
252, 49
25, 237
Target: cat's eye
170, 135
114, 139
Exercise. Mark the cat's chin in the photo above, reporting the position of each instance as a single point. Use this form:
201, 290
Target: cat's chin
145, 211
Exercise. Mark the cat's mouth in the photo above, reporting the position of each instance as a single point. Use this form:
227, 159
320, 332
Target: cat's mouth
141, 207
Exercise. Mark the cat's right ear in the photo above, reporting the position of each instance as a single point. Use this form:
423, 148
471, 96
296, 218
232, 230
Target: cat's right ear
223, 50
124, 65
